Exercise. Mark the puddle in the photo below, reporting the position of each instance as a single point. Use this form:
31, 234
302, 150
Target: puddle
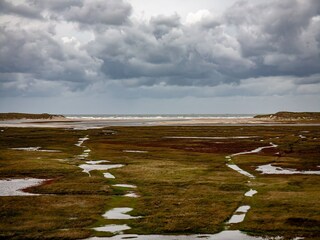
134, 151
235, 137
224, 235
93, 166
124, 185
259, 149
51, 151
301, 136
243, 209
250, 193
239, 214
81, 141
27, 148
93, 162
34, 149
108, 175
238, 218
269, 169
14, 187
131, 194
239, 170
113, 228
84, 155
119, 213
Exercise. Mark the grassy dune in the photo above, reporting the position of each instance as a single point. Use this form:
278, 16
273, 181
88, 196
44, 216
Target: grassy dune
293, 116
15, 116
184, 184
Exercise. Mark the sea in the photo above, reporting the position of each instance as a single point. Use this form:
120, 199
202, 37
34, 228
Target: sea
154, 116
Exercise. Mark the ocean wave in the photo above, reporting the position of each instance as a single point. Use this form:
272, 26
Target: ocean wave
158, 117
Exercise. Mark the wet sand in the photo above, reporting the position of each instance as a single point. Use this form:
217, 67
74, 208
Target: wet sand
83, 124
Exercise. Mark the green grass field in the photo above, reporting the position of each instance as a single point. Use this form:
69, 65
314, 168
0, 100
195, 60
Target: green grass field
184, 184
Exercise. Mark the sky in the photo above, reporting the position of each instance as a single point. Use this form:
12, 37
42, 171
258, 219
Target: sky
159, 56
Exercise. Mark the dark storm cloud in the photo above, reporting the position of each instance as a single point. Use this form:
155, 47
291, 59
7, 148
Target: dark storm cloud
281, 37
163, 48
31, 57
110, 12
87, 13
250, 41
164, 24
275, 38
56, 5
7, 7
23, 51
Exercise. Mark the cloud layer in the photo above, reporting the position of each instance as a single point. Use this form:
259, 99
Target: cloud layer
268, 48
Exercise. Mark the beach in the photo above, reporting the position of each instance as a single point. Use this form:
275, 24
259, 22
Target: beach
83, 123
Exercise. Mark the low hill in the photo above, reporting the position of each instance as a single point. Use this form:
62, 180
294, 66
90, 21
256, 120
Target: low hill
291, 116
15, 116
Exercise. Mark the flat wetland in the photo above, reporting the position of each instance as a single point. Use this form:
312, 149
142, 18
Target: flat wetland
182, 182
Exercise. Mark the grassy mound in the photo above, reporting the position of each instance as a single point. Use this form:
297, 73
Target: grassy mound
292, 116
14, 116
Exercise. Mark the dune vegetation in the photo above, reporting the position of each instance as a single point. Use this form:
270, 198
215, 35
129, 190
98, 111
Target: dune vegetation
15, 116
294, 116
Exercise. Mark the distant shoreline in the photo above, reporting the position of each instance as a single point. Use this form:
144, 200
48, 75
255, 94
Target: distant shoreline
279, 116
93, 123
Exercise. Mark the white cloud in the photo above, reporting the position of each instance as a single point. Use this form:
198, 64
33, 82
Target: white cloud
198, 16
